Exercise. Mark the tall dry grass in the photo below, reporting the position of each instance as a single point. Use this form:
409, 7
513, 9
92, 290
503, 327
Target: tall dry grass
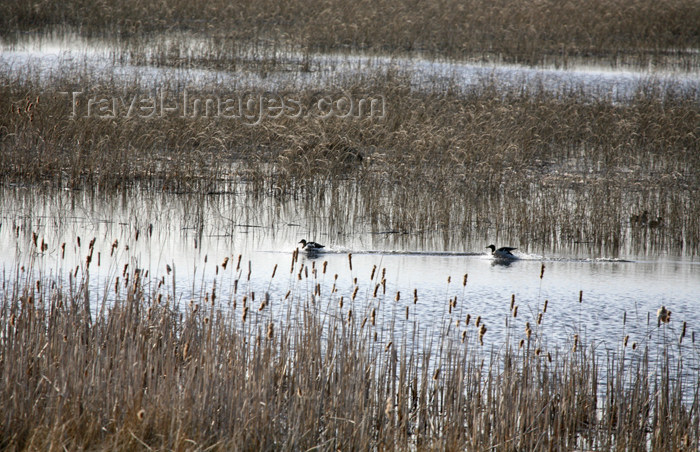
542, 168
640, 32
134, 368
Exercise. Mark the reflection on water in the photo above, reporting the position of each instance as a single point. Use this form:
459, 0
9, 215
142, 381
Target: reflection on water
192, 235
46, 57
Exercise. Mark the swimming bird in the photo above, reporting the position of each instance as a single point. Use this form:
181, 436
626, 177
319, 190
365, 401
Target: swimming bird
311, 247
503, 252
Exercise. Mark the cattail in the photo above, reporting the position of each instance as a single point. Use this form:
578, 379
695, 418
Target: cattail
388, 346
363, 323
168, 269
512, 301
376, 288
515, 312
398, 296
436, 374
354, 292
238, 265
388, 407
634, 345
274, 270
545, 305
373, 316
325, 264
627, 338
464, 336
575, 342
464, 280
580, 296
349, 315
538, 351
270, 330
542, 271
406, 312
478, 321
350, 260
63, 250
549, 357
449, 279
415, 296
245, 313
663, 315
528, 330
539, 318
482, 332
522, 342
469, 316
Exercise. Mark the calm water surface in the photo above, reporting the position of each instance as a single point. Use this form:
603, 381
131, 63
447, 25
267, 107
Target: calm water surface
193, 236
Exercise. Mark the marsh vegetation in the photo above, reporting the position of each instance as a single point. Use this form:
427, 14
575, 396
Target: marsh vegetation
132, 357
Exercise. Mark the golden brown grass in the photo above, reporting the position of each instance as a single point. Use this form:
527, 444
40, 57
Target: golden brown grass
142, 371
540, 168
637, 32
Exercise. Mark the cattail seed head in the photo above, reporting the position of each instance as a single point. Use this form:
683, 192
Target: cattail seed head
663, 315
464, 280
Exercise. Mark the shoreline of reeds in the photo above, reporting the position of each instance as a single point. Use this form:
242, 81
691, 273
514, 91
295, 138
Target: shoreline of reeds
638, 33
149, 370
540, 167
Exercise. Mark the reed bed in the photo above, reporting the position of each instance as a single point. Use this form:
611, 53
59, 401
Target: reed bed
134, 366
544, 168
623, 32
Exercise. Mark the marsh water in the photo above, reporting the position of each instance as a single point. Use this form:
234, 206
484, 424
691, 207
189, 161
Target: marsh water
184, 238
